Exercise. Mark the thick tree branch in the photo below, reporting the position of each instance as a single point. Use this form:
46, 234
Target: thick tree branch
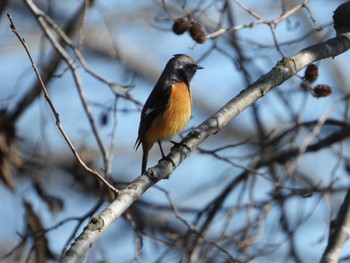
284, 70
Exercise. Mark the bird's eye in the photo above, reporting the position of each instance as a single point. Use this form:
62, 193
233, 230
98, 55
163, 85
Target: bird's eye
188, 66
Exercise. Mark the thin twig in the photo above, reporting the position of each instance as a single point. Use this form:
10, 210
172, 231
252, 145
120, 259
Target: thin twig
51, 35
258, 20
58, 122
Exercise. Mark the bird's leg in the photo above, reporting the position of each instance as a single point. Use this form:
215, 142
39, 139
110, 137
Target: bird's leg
163, 155
180, 144
161, 149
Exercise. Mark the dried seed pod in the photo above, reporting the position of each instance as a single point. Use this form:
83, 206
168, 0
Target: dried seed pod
311, 73
197, 32
341, 18
180, 26
322, 90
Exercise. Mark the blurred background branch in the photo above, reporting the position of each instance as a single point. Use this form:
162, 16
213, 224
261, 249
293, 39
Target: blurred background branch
269, 186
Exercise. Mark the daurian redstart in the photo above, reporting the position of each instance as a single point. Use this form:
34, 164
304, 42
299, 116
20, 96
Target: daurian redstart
168, 107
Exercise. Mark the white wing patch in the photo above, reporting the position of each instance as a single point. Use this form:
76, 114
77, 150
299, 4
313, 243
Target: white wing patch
148, 111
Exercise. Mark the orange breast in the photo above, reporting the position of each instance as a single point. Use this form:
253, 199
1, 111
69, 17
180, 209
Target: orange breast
175, 117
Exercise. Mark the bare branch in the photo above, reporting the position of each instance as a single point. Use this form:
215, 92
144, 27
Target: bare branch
284, 70
58, 122
50, 67
50, 34
339, 233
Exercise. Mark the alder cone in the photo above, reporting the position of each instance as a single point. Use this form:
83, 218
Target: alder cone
322, 90
197, 32
311, 73
180, 26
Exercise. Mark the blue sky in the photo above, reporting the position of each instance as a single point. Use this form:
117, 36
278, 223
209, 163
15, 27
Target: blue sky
148, 38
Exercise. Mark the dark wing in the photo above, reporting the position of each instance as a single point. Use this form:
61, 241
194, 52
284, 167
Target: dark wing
155, 105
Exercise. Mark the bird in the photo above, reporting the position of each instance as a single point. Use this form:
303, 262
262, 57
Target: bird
168, 107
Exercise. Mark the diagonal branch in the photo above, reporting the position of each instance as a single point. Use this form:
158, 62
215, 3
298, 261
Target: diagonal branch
49, 68
284, 70
55, 113
51, 35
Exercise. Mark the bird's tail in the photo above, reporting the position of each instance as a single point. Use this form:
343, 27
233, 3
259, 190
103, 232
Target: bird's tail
137, 143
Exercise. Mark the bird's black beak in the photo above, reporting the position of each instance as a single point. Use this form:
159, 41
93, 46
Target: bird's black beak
198, 67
